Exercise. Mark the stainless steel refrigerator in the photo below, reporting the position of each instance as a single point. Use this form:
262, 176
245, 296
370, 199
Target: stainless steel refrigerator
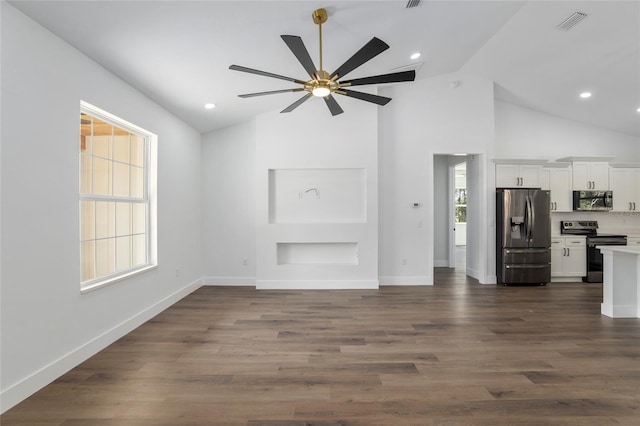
523, 231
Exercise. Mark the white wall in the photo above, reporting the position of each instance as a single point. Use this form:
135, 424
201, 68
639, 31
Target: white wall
229, 205
47, 326
524, 133
426, 118
310, 138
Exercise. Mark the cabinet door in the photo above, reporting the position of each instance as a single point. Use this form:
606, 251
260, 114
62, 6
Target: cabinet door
560, 186
507, 176
557, 254
530, 175
545, 180
621, 187
599, 174
581, 181
575, 261
625, 184
635, 189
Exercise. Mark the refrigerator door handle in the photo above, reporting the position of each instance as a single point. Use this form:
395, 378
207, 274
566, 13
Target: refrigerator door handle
529, 223
541, 266
526, 250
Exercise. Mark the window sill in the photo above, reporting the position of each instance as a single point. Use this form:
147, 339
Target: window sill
103, 283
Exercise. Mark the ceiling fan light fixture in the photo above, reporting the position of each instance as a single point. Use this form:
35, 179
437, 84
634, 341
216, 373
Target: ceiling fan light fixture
321, 91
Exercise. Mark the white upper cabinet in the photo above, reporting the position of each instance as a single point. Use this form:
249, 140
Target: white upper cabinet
625, 184
518, 175
591, 176
558, 181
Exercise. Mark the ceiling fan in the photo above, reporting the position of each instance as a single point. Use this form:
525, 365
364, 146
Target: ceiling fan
324, 85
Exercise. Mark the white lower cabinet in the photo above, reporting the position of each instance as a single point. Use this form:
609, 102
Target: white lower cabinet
568, 258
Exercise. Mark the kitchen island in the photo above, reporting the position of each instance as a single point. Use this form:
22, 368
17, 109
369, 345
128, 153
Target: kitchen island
621, 281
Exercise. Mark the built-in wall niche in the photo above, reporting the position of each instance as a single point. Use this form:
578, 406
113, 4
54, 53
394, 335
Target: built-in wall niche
329, 253
317, 195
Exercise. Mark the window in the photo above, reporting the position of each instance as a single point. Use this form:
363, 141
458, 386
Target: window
461, 205
115, 193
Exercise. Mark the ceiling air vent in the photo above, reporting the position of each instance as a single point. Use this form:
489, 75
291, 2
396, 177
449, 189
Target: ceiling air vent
413, 3
571, 21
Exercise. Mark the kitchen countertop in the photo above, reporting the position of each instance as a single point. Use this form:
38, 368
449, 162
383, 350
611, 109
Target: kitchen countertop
620, 249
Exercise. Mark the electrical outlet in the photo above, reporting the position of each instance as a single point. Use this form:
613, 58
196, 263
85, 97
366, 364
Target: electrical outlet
245, 262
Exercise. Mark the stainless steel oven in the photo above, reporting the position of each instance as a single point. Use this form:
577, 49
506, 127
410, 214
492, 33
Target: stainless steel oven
594, 257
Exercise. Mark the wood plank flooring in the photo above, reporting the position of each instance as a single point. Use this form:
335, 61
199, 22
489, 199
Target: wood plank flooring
457, 353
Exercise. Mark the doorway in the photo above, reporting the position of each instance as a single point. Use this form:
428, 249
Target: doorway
458, 216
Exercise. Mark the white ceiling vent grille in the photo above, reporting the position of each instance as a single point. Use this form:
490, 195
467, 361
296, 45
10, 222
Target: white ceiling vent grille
571, 21
413, 3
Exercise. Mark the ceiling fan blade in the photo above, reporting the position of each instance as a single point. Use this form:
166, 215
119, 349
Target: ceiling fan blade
380, 100
264, 73
272, 92
301, 53
297, 103
394, 77
333, 105
370, 50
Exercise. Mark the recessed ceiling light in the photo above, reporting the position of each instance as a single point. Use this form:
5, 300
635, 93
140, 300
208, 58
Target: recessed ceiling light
415, 55
210, 106
585, 95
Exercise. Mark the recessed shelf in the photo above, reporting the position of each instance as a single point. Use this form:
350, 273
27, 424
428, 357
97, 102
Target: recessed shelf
325, 253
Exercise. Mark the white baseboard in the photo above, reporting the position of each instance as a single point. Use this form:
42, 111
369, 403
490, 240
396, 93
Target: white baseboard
34, 382
474, 273
619, 311
229, 281
316, 284
441, 263
491, 279
566, 279
400, 280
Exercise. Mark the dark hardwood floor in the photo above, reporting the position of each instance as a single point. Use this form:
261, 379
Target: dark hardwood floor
457, 353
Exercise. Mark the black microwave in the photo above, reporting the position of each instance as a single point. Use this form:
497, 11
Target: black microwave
592, 200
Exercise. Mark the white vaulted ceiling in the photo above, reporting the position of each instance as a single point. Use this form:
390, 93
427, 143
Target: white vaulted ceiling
178, 52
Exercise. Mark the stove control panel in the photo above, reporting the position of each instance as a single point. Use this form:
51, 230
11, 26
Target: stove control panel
583, 227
